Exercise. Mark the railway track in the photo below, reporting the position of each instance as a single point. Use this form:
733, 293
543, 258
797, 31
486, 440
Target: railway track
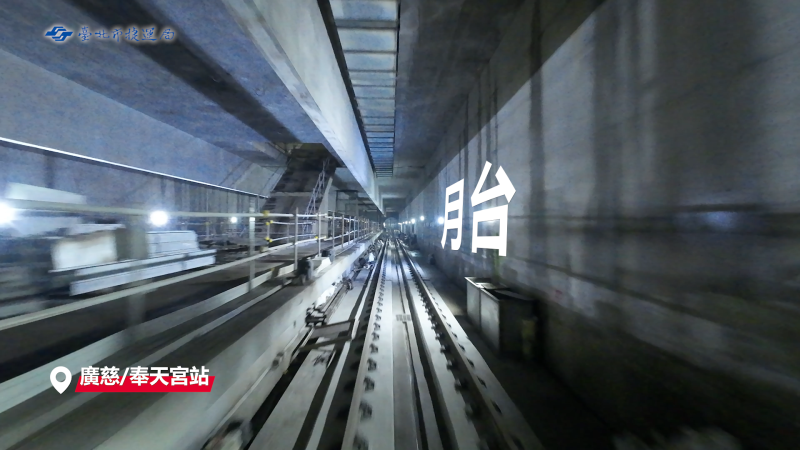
385, 365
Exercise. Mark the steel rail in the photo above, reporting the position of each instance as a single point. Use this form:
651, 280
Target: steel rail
379, 314
318, 436
414, 331
516, 437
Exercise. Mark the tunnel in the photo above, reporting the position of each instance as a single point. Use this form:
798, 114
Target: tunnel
399, 224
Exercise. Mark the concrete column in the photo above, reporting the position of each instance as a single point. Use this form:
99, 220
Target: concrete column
134, 246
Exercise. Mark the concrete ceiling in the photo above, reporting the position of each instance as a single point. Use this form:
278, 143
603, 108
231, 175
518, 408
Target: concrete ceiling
214, 83
367, 34
443, 45
211, 82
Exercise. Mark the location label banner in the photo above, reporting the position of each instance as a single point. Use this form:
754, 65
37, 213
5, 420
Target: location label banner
151, 384
134, 379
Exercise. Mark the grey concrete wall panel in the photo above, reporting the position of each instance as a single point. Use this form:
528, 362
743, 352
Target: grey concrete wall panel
652, 146
293, 38
378, 120
369, 128
370, 61
368, 40
368, 10
372, 78
374, 91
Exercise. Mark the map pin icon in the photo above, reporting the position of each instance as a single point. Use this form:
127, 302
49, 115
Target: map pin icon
60, 386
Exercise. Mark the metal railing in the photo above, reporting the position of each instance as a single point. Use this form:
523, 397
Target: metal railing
39, 206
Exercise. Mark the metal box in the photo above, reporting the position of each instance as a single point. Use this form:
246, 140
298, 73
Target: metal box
474, 286
499, 314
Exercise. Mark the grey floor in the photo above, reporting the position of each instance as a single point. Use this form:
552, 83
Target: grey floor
554, 413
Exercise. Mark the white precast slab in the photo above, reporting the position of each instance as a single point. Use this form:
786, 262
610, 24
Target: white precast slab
107, 281
171, 236
165, 242
84, 250
378, 384
371, 418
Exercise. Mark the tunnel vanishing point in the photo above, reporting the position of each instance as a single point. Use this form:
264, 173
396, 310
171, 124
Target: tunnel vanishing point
399, 224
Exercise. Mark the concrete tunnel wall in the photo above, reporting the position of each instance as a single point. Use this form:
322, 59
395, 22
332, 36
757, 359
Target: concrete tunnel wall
42, 108
654, 157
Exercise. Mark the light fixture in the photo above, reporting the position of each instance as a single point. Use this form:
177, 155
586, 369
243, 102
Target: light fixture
413, 220
422, 218
234, 219
440, 220
159, 218
7, 214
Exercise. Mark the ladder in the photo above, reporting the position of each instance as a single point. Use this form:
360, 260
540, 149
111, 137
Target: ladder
319, 189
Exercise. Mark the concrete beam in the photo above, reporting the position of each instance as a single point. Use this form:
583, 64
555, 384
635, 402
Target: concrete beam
292, 37
43, 142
